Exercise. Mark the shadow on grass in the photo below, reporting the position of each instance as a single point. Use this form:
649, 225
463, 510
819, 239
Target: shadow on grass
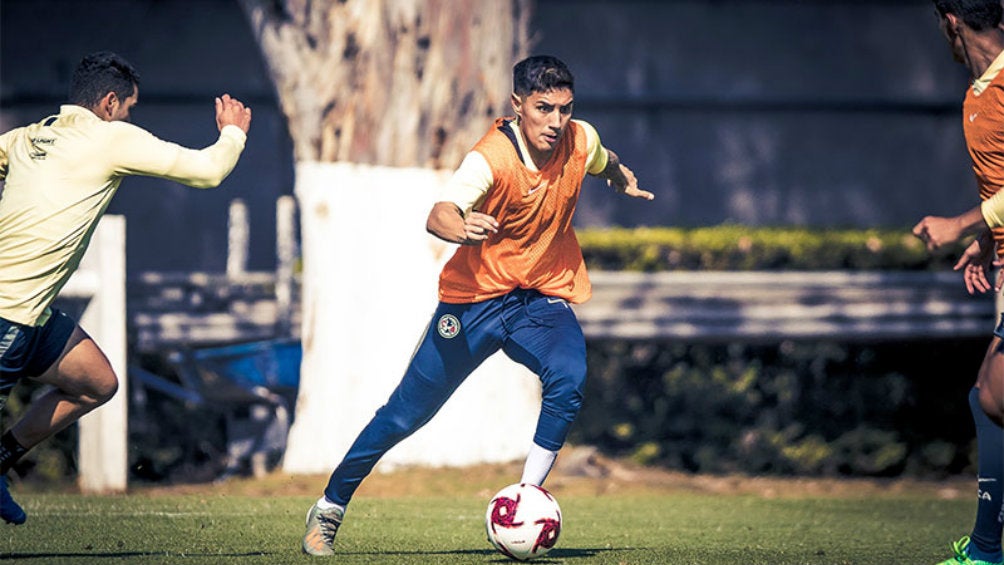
122, 554
576, 552
483, 552
568, 553
557, 554
563, 553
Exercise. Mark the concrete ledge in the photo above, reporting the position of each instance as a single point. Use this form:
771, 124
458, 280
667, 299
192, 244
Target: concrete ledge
767, 306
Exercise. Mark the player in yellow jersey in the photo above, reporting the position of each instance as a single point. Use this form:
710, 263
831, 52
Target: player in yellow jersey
57, 177
510, 206
972, 28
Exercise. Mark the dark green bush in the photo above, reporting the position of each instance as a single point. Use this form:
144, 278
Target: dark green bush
806, 408
817, 408
740, 248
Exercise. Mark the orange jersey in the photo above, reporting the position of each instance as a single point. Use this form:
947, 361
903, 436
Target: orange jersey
983, 123
535, 246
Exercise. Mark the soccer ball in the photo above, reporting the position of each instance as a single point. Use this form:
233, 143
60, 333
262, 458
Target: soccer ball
523, 521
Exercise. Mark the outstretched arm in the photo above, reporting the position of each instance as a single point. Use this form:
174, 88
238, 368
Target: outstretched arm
936, 231
975, 264
621, 178
138, 152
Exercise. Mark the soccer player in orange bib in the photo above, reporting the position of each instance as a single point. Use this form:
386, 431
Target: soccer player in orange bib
58, 176
972, 28
510, 207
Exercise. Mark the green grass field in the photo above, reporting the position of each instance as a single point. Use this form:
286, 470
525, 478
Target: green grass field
412, 517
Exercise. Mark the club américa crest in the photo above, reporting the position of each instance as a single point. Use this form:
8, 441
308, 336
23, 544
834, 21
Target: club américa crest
448, 326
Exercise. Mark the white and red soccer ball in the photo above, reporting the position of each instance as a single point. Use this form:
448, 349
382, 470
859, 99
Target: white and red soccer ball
523, 521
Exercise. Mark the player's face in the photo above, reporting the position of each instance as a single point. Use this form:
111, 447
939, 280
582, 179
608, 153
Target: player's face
948, 28
119, 111
543, 117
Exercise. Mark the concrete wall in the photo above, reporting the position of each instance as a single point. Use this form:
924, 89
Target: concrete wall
187, 52
768, 112
761, 112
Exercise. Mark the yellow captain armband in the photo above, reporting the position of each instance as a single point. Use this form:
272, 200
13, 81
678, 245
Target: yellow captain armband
993, 210
597, 160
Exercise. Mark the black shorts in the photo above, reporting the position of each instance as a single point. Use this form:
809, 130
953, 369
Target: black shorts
28, 351
999, 330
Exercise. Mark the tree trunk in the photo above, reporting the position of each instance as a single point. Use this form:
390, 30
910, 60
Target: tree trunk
390, 82
383, 98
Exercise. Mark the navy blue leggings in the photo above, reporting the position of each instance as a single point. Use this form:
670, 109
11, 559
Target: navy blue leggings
537, 331
986, 534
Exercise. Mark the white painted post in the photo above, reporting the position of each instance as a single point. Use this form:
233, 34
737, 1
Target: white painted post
363, 314
104, 432
285, 251
238, 237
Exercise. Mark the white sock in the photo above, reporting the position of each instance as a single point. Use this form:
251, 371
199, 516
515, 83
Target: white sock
538, 464
324, 504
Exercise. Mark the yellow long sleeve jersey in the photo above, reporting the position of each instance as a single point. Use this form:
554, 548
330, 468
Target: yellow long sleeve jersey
59, 176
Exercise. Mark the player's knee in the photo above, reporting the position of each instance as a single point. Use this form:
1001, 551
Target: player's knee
100, 388
401, 425
992, 404
563, 389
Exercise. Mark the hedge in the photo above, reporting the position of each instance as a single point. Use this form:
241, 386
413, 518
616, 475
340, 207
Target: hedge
740, 248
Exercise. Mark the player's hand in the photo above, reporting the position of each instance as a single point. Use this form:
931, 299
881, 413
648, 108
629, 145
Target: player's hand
974, 264
478, 227
628, 184
936, 231
231, 111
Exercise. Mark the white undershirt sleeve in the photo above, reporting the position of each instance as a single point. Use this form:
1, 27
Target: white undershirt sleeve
469, 183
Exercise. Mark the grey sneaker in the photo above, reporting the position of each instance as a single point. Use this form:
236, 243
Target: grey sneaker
322, 525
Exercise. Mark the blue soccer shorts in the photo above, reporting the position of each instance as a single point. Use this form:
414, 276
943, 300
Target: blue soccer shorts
537, 331
29, 351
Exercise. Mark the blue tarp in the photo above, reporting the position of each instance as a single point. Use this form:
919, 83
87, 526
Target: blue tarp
273, 364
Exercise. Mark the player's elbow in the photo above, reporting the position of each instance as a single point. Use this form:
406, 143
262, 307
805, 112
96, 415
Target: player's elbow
441, 218
209, 168
208, 182
431, 225
436, 230
209, 177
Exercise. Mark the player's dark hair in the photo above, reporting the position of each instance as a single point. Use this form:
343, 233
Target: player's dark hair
100, 73
541, 73
978, 14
